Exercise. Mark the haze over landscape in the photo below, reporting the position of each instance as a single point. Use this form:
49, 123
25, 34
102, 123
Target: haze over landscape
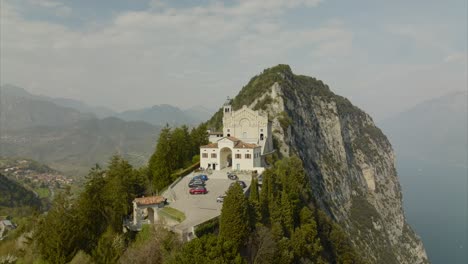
384, 56
81, 81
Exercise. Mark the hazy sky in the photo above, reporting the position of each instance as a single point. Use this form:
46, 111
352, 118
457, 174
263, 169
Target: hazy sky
383, 55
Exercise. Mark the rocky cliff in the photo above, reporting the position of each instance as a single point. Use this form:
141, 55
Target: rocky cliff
349, 161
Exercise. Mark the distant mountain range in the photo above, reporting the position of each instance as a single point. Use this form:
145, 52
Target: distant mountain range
167, 114
430, 141
65, 138
33, 107
71, 136
434, 131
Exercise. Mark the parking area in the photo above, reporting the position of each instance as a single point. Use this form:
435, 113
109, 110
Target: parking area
201, 207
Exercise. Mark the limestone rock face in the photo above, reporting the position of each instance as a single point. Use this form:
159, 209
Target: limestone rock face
349, 161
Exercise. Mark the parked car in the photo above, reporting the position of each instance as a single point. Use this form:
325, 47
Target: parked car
220, 198
198, 190
202, 177
232, 176
241, 183
195, 183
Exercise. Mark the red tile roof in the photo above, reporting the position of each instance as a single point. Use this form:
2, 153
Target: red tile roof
150, 200
242, 144
233, 139
212, 145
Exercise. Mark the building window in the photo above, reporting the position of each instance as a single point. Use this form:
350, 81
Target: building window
229, 130
213, 155
238, 156
228, 135
261, 136
204, 155
261, 130
248, 156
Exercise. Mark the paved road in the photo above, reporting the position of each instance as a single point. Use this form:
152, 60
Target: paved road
202, 207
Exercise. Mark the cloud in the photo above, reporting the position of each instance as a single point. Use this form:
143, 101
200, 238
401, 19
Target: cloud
456, 57
199, 54
153, 49
58, 8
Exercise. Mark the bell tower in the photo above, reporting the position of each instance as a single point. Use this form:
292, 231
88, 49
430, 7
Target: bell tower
227, 107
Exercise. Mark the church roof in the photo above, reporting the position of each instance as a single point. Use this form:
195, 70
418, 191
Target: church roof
233, 139
241, 144
238, 144
212, 145
150, 200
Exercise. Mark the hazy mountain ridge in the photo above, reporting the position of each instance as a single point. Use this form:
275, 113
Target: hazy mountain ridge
166, 114
17, 100
75, 148
20, 109
71, 141
9, 90
430, 140
433, 131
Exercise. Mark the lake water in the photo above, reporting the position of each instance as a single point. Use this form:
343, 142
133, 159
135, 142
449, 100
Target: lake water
435, 202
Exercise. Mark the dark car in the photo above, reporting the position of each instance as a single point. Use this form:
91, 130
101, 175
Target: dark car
198, 190
232, 176
202, 177
241, 183
195, 183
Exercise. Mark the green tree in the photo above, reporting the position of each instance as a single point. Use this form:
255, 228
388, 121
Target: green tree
181, 147
57, 234
109, 248
162, 164
199, 137
254, 196
234, 224
117, 192
91, 215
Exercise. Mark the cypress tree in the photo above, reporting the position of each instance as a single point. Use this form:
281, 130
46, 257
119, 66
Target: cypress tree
234, 226
254, 197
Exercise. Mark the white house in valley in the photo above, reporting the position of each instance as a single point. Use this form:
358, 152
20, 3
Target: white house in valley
245, 139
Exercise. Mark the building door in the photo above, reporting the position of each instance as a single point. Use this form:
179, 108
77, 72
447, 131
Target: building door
238, 166
214, 166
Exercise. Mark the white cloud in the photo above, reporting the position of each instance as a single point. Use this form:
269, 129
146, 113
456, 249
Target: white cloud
456, 57
198, 55
156, 48
58, 8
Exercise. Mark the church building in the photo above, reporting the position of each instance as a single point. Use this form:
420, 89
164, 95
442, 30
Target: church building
245, 139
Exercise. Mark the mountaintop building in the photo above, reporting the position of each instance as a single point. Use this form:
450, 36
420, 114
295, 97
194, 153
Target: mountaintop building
245, 139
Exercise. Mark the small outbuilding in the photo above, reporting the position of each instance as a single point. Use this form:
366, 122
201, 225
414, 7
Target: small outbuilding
146, 208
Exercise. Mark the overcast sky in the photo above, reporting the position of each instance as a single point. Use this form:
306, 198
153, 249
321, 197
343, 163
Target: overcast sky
385, 56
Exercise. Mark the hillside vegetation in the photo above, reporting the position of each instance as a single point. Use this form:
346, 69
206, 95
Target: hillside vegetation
13, 194
74, 148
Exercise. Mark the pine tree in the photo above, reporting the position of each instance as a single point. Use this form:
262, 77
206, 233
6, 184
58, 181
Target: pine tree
161, 164
109, 248
57, 235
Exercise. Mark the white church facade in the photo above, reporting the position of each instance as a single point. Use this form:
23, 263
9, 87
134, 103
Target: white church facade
245, 139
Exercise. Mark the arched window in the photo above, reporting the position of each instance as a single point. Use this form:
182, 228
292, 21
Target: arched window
228, 135
261, 136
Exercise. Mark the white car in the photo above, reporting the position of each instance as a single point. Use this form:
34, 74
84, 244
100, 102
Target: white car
220, 198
